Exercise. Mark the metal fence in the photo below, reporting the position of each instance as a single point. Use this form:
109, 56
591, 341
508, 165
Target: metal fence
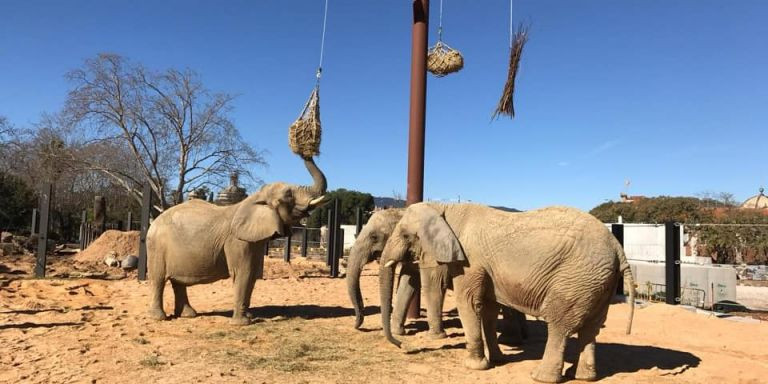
658, 292
315, 246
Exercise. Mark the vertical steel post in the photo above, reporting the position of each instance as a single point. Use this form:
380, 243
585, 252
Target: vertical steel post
304, 242
33, 230
672, 262
618, 233
331, 232
266, 248
339, 250
415, 193
46, 195
83, 220
358, 221
287, 249
146, 208
128, 227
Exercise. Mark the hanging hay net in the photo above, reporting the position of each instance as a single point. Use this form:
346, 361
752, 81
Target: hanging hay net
506, 104
443, 60
304, 133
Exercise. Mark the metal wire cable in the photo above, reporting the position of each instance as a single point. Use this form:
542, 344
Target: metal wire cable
322, 43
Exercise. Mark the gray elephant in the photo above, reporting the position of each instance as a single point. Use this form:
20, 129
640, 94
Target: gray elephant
558, 263
368, 246
198, 242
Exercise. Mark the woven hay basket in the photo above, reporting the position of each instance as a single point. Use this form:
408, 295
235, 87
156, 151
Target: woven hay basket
443, 60
304, 134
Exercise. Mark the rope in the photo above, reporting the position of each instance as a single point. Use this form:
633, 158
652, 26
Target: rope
511, 27
322, 44
440, 25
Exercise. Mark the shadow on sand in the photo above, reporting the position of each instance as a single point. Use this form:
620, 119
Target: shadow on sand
304, 311
28, 325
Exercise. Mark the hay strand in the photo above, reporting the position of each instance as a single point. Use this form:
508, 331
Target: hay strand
304, 134
506, 104
443, 60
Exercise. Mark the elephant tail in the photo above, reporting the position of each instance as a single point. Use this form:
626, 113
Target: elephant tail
626, 273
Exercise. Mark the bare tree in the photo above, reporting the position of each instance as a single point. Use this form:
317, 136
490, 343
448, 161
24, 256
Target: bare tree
177, 133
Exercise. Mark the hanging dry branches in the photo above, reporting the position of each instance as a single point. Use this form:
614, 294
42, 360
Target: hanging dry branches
506, 104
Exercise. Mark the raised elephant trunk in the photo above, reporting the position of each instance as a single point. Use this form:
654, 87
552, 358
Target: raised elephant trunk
319, 185
354, 269
386, 282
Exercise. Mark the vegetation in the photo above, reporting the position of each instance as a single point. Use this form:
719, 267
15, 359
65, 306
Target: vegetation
725, 232
16, 204
349, 201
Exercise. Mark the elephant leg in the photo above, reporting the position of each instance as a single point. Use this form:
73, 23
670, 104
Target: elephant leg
157, 285
490, 313
515, 328
551, 367
181, 301
585, 365
254, 276
409, 282
243, 285
433, 287
468, 288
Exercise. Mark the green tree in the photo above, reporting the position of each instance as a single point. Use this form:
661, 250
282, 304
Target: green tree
349, 201
17, 203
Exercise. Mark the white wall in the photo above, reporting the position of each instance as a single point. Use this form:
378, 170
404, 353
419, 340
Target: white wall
647, 242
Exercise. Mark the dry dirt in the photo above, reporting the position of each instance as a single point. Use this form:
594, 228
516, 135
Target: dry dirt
95, 330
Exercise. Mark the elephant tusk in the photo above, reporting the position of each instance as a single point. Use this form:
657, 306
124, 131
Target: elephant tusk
318, 200
389, 263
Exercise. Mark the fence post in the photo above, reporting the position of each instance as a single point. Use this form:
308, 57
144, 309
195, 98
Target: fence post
146, 207
42, 237
304, 242
287, 250
130, 220
672, 262
266, 248
618, 233
83, 218
100, 214
339, 250
34, 222
358, 221
331, 233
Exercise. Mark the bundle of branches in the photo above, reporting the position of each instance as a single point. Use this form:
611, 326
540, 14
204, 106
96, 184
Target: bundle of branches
442, 60
304, 133
506, 104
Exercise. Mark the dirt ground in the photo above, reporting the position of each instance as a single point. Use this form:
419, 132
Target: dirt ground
80, 330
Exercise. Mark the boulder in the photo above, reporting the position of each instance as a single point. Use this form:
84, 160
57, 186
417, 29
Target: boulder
6, 237
111, 259
8, 249
130, 262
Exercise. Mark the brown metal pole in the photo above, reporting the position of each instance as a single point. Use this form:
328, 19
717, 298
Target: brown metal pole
415, 191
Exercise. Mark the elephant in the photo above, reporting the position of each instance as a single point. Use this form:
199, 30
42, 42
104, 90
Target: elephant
197, 242
559, 264
368, 246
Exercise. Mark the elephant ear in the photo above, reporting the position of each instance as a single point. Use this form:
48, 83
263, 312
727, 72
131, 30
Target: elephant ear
256, 221
437, 237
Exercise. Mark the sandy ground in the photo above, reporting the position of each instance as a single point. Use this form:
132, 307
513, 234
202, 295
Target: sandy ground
95, 330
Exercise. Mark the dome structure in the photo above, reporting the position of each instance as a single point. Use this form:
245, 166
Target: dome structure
233, 193
759, 201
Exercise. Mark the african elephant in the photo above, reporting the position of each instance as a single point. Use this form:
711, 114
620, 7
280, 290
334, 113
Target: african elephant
368, 246
198, 242
557, 263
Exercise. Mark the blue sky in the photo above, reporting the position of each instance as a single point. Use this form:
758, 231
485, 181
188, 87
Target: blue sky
671, 95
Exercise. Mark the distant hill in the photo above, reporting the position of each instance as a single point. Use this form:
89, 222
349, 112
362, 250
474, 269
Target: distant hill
381, 202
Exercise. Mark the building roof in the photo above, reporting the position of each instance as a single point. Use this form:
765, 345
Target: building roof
759, 201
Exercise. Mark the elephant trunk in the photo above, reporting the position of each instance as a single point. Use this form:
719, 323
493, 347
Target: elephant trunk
386, 282
319, 185
355, 264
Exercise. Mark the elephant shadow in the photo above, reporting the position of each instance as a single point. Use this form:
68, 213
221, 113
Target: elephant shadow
303, 311
611, 358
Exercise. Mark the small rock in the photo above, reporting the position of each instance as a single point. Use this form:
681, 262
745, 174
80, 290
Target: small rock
6, 237
111, 259
130, 262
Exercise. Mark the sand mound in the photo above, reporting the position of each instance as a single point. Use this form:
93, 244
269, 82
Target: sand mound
122, 243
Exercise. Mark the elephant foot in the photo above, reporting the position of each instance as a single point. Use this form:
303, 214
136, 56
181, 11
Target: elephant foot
188, 312
477, 364
156, 314
495, 356
398, 330
584, 372
437, 335
240, 320
546, 375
